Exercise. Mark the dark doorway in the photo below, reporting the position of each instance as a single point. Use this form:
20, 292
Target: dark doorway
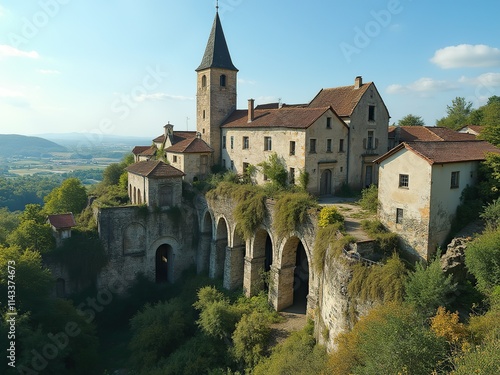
300, 280
325, 183
268, 261
163, 257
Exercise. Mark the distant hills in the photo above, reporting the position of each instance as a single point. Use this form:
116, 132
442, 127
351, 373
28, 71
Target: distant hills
20, 145
92, 140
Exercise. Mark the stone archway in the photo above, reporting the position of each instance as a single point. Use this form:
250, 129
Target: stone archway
325, 182
258, 263
163, 263
290, 282
218, 250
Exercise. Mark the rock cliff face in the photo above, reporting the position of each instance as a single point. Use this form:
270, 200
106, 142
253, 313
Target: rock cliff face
453, 261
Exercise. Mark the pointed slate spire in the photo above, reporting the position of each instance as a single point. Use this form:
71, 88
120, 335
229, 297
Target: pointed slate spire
216, 54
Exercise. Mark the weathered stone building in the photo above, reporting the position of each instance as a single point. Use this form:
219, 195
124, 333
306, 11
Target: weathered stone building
420, 186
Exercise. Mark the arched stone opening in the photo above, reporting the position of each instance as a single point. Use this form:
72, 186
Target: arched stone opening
218, 251
290, 282
258, 263
163, 263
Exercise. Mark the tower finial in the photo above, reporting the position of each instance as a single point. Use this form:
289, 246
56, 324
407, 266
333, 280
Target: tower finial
217, 6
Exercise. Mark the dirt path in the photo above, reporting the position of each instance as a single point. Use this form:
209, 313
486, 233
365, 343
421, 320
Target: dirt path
280, 331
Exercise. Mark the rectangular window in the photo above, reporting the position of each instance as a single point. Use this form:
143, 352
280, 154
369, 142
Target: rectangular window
224, 163
174, 159
404, 181
328, 122
292, 147
232, 142
291, 176
224, 142
371, 113
399, 216
232, 165
312, 146
245, 168
455, 180
246, 143
267, 144
369, 141
341, 145
328, 145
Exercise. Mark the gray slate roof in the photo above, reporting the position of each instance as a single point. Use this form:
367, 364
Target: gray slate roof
216, 54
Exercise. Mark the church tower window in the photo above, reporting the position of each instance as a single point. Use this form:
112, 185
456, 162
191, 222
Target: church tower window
204, 81
223, 80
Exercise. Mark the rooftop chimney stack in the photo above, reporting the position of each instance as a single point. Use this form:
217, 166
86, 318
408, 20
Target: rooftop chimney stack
358, 82
250, 110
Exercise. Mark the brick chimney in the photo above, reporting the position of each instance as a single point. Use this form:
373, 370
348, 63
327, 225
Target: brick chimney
250, 110
358, 82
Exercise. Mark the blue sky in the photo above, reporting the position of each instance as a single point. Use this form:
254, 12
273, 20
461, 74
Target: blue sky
127, 67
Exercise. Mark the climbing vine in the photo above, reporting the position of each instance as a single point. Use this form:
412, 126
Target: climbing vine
292, 209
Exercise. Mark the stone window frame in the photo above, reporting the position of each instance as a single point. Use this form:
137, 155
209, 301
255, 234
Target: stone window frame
291, 176
223, 142
268, 144
174, 158
312, 145
328, 122
223, 80
246, 143
341, 145
455, 180
329, 145
232, 142
399, 215
371, 113
404, 181
292, 148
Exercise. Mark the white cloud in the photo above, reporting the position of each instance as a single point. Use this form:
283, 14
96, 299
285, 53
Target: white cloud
9, 93
48, 71
486, 79
467, 56
9, 51
161, 96
422, 86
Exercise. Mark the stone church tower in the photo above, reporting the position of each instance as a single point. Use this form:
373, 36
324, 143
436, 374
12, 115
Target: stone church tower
216, 89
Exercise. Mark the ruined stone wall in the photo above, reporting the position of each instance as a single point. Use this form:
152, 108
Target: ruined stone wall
132, 235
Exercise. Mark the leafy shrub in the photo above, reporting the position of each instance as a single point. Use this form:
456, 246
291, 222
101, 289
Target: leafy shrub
274, 168
292, 210
304, 179
369, 199
491, 214
427, 288
250, 339
386, 242
329, 215
482, 260
329, 237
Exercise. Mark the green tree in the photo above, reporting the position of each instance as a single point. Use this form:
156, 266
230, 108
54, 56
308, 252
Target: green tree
250, 338
427, 288
457, 114
391, 339
482, 260
34, 212
369, 199
483, 359
71, 196
274, 168
8, 223
157, 330
112, 174
411, 120
32, 235
491, 123
489, 177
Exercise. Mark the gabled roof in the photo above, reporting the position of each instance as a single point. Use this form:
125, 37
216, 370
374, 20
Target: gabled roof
144, 150
439, 152
62, 221
154, 169
475, 129
177, 136
190, 146
427, 134
216, 53
290, 117
343, 99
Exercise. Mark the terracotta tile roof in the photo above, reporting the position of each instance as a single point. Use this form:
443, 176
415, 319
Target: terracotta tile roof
154, 169
62, 221
427, 134
268, 106
297, 118
439, 152
190, 146
144, 150
343, 99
